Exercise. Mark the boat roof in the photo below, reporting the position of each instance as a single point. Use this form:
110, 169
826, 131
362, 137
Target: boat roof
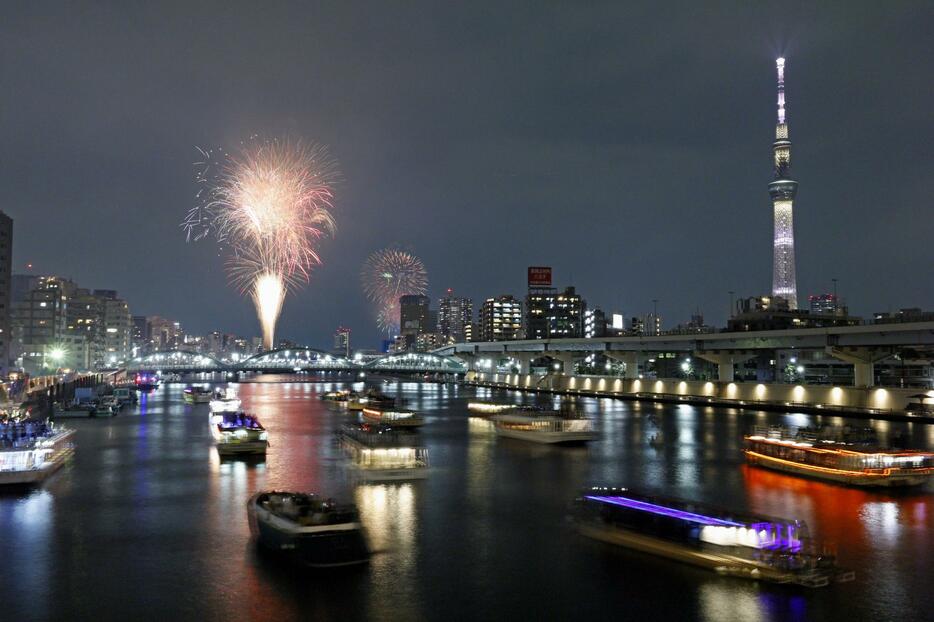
686, 510
828, 446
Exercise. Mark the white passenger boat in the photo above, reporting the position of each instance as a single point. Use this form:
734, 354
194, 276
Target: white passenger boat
238, 433
378, 453
30, 451
544, 427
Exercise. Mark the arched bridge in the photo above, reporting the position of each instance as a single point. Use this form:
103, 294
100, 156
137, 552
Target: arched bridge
295, 359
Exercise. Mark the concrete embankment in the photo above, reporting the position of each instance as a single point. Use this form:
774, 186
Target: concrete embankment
877, 402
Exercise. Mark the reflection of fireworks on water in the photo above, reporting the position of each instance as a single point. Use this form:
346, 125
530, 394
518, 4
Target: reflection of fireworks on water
388, 275
271, 204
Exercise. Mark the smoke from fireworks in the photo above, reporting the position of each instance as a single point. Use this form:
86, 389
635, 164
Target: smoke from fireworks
271, 203
387, 275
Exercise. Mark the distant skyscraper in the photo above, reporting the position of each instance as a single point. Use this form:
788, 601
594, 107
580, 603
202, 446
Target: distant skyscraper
342, 342
783, 190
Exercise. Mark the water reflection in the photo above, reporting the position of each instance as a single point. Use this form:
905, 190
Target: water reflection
388, 515
149, 507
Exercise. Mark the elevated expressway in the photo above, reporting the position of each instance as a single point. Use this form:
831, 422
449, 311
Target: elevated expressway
861, 346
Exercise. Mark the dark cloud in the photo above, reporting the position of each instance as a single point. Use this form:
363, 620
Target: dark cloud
626, 146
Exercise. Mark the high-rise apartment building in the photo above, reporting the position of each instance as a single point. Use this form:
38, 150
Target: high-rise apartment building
501, 319
39, 326
455, 316
553, 315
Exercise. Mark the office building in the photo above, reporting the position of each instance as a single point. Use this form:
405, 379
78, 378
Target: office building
551, 314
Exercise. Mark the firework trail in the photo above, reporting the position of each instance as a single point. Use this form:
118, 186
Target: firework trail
387, 275
271, 204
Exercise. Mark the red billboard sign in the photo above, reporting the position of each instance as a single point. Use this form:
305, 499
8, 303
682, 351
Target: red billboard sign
539, 276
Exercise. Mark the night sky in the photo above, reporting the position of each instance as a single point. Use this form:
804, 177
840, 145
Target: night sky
627, 147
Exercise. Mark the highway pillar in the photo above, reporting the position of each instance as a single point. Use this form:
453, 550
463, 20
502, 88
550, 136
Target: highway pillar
565, 361
632, 361
725, 361
863, 360
524, 359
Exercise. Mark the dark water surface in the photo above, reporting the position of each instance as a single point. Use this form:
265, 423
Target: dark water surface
146, 523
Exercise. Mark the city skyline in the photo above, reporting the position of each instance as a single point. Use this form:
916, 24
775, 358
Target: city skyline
612, 149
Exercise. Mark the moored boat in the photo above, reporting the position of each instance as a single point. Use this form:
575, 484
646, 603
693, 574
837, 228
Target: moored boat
197, 395
840, 461
729, 543
544, 427
238, 433
30, 451
395, 417
310, 530
379, 452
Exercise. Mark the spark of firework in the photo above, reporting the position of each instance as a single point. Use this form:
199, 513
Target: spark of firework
387, 275
271, 203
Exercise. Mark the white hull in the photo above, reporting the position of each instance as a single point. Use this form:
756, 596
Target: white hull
547, 437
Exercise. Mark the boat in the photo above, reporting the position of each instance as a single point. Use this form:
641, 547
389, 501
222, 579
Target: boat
146, 381
224, 402
489, 408
373, 397
336, 396
492, 408
125, 395
238, 433
197, 395
69, 410
395, 417
380, 452
729, 543
111, 402
544, 427
308, 529
837, 459
30, 451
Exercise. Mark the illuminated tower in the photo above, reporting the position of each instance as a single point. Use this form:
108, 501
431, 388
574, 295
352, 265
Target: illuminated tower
783, 190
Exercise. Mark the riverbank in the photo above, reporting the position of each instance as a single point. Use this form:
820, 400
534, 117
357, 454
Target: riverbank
871, 402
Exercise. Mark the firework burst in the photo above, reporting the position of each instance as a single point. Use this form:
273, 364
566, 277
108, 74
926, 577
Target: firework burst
271, 204
387, 275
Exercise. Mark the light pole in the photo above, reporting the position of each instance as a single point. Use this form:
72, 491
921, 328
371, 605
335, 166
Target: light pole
655, 316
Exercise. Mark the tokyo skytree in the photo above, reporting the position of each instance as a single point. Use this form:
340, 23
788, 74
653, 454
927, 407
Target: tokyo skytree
783, 190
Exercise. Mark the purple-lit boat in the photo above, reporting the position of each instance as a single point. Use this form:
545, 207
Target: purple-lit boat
742, 545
